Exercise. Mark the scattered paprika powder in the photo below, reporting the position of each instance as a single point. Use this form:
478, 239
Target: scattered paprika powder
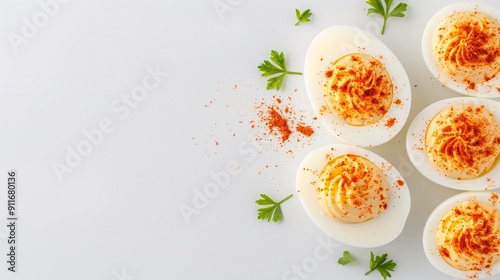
281, 120
276, 121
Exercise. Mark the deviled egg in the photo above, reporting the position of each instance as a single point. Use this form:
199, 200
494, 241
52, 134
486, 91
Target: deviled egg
462, 235
463, 141
461, 47
454, 147
353, 195
357, 86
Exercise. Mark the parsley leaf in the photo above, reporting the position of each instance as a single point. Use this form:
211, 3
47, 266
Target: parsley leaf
346, 258
381, 264
272, 212
267, 68
378, 8
303, 17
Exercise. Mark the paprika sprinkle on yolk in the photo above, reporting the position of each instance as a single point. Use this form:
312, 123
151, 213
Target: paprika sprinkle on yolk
358, 88
463, 141
466, 46
468, 236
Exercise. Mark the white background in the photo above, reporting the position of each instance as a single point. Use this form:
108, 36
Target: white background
116, 215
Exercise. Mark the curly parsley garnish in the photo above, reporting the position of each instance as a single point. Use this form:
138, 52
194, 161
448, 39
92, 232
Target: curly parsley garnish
272, 212
381, 264
346, 258
303, 17
268, 69
378, 8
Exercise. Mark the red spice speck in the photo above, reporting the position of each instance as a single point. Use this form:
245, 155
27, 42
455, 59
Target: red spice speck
494, 199
398, 101
306, 130
390, 122
276, 120
400, 182
444, 252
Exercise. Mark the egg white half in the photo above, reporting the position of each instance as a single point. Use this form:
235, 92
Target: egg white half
373, 233
487, 89
415, 146
335, 42
429, 236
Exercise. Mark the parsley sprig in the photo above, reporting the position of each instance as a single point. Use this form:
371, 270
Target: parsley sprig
346, 258
272, 212
279, 70
378, 8
381, 264
303, 17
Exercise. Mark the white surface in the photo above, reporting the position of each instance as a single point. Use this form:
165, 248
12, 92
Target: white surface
415, 145
117, 213
382, 229
334, 43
